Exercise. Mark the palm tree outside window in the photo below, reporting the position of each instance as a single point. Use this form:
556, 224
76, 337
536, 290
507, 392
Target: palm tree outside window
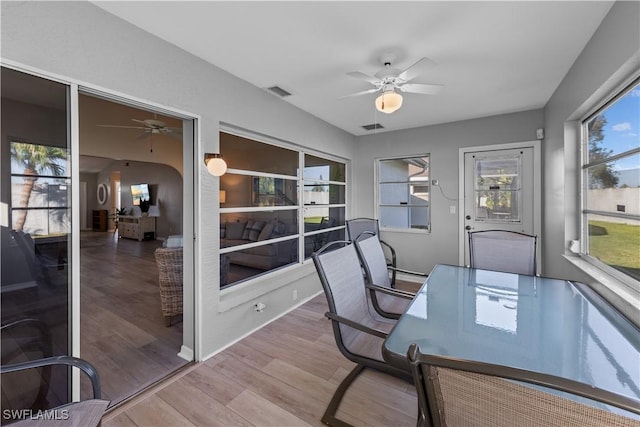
39, 188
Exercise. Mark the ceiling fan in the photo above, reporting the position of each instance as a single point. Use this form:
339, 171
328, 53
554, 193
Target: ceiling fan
151, 127
390, 80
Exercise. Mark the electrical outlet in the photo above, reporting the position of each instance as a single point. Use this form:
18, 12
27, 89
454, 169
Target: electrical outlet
434, 182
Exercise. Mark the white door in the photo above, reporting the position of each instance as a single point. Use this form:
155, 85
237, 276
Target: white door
498, 192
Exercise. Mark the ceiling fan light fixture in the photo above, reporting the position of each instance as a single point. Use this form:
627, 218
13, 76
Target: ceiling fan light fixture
389, 102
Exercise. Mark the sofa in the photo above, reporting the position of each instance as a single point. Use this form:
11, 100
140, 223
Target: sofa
266, 257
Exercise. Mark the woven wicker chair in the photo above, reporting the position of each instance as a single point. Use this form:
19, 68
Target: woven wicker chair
454, 392
169, 261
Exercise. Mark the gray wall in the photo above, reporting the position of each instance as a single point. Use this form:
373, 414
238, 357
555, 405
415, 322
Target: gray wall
610, 58
79, 41
420, 252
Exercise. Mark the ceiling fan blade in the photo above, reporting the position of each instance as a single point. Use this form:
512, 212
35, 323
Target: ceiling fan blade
364, 92
121, 127
365, 77
143, 135
425, 89
416, 69
175, 135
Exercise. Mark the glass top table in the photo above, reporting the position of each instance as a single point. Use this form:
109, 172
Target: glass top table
542, 325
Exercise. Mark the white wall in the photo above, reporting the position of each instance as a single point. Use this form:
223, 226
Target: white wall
420, 252
79, 41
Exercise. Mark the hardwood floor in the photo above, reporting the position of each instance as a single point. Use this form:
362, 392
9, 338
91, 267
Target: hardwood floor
122, 328
281, 375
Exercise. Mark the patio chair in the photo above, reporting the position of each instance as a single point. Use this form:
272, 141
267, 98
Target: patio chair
502, 250
357, 226
26, 371
170, 275
86, 413
358, 335
387, 301
454, 392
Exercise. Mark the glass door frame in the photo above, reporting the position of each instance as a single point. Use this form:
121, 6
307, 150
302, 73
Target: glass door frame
191, 151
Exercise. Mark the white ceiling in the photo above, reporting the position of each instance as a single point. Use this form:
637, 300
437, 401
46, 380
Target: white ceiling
494, 57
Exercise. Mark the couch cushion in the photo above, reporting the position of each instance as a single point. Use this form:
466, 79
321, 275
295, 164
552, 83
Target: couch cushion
245, 233
255, 229
279, 229
174, 241
235, 230
267, 230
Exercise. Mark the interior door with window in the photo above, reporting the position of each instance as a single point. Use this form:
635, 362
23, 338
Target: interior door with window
498, 192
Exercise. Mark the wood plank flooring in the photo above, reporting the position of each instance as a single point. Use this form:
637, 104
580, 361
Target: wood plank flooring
121, 325
281, 375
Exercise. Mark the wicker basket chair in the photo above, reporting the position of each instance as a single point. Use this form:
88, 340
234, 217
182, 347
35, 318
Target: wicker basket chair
169, 261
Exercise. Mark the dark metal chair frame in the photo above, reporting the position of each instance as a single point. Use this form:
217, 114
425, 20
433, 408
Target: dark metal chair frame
391, 260
382, 288
337, 320
424, 366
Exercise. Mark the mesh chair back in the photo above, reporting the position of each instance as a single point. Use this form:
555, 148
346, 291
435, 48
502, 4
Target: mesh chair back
373, 260
502, 250
341, 276
456, 394
356, 226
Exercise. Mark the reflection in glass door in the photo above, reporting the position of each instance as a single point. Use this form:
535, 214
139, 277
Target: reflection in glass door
36, 238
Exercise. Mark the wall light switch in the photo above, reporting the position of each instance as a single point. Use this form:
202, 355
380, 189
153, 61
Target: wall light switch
452, 209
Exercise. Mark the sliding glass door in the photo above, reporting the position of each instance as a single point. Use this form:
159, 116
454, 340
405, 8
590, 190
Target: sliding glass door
35, 216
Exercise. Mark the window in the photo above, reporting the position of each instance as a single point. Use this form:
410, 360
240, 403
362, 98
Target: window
39, 189
611, 185
275, 198
404, 193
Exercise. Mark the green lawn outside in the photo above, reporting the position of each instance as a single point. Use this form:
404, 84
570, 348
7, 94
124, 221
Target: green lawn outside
617, 245
313, 219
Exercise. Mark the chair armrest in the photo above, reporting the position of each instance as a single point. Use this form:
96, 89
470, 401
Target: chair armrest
83, 365
393, 252
390, 291
402, 270
355, 325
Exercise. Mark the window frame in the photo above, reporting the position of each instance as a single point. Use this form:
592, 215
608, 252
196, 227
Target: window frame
378, 196
65, 177
300, 180
632, 284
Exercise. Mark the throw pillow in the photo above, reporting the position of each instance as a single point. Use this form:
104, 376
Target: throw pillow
255, 230
266, 231
235, 230
245, 233
279, 229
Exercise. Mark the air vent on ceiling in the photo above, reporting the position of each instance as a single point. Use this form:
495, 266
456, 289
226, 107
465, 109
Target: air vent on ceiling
279, 91
373, 126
